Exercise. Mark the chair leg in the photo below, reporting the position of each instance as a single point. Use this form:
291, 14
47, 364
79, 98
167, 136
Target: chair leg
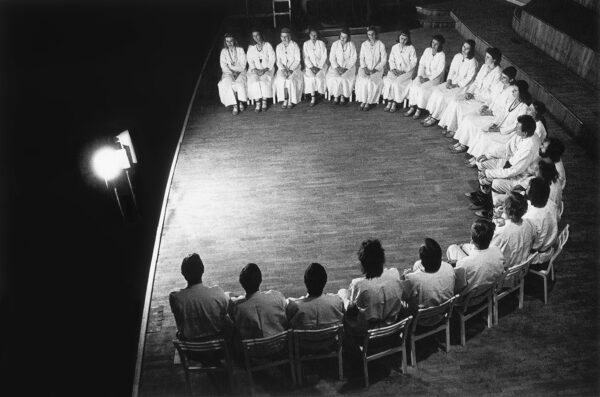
188, 383
521, 294
340, 365
404, 369
490, 312
251, 381
545, 290
413, 354
366, 369
496, 311
299, 372
293, 371
463, 336
448, 336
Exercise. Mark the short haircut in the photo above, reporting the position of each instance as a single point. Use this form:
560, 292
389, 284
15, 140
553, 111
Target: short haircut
430, 254
371, 29
346, 31
286, 30
482, 231
527, 124
229, 35
496, 55
440, 39
555, 149
250, 278
547, 171
510, 71
406, 33
372, 257
471, 43
538, 192
192, 268
313, 29
522, 86
315, 278
515, 206
540, 109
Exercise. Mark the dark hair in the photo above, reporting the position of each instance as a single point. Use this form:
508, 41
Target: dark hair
346, 31
527, 124
440, 39
540, 108
523, 88
430, 254
192, 268
315, 278
515, 206
225, 36
538, 192
372, 257
547, 171
313, 29
511, 72
250, 278
555, 149
471, 44
404, 33
285, 30
496, 55
371, 28
482, 231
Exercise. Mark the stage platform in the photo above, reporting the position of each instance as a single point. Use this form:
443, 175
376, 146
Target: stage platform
286, 188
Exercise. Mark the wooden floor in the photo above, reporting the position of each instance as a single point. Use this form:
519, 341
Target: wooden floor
286, 188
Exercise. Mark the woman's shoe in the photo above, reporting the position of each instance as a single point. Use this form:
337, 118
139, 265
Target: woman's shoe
393, 109
257, 107
264, 105
417, 114
235, 110
410, 111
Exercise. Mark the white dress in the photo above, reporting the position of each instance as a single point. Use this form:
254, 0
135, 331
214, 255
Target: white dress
462, 71
405, 60
481, 89
483, 141
288, 57
315, 55
432, 67
234, 61
368, 87
341, 56
260, 86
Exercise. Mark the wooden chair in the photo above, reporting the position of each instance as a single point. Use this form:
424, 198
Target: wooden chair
511, 280
277, 12
549, 271
318, 344
474, 302
187, 351
273, 351
433, 319
394, 335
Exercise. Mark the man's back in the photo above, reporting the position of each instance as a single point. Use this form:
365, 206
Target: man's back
432, 289
515, 241
481, 267
315, 312
260, 315
199, 311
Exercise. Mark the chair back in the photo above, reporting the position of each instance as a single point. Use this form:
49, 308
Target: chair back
389, 331
477, 296
269, 346
435, 315
184, 348
514, 275
318, 339
561, 241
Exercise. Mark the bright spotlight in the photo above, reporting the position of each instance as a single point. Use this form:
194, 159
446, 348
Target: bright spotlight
106, 163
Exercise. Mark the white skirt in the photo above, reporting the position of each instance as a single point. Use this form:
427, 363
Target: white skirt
440, 98
315, 82
368, 88
260, 86
395, 87
294, 84
456, 110
228, 87
418, 93
470, 128
488, 141
340, 85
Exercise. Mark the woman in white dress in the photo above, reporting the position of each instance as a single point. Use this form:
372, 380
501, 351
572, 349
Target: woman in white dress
478, 93
461, 74
430, 74
482, 135
288, 80
342, 73
261, 67
315, 66
537, 111
402, 60
369, 81
232, 87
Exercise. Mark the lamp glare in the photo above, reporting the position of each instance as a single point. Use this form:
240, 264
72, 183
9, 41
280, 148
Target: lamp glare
106, 164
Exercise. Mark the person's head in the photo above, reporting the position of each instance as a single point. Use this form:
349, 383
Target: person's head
538, 192
345, 35
286, 36
229, 41
508, 75
372, 258
493, 56
437, 43
315, 278
404, 38
250, 278
547, 171
313, 34
536, 110
525, 125
522, 90
482, 231
192, 269
553, 149
257, 36
515, 206
468, 49
371, 33
430, 254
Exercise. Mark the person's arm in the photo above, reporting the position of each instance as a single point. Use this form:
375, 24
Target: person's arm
519, 163
438, 65
307, 61
460, 276
392, 60
412, 59
469, 74
322, 54
223, 62
453, 72
382, 58
425, 58
332, 56
279, 57
271, 57
352, 59
296, 54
